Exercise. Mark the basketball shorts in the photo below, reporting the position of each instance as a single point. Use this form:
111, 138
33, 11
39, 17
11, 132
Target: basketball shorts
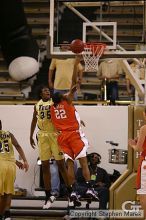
141, 176
73, 144
7, 177
48, 146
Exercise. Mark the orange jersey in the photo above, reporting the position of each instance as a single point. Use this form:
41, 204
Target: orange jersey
65, 117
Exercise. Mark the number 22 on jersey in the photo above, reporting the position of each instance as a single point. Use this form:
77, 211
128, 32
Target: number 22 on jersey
60, 114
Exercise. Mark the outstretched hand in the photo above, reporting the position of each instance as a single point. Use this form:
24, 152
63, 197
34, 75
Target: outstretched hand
19, 165
132, 143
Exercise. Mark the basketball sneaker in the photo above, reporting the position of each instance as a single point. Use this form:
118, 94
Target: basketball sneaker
74, 199
91, 193
49, 202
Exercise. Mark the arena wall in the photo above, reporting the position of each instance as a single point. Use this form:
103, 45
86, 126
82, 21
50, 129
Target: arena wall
103, 123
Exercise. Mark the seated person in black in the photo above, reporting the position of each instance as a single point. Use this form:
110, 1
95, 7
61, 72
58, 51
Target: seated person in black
99, 177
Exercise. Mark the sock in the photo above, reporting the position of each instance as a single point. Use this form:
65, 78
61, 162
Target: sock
7, 214
74, 186
48, 193
70, 189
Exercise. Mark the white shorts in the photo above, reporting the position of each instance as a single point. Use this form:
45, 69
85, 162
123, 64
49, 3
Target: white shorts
142, 189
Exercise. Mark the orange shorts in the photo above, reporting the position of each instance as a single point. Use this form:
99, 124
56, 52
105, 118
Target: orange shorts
71, 143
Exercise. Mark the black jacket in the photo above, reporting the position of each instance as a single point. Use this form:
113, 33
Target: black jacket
101, 176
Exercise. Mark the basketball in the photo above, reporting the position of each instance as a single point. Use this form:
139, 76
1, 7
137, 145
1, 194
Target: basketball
77, 46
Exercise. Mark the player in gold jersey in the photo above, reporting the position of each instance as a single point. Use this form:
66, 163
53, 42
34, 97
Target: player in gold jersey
47, 142
8, 169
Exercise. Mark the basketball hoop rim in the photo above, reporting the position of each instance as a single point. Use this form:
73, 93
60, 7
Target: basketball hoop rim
91, 55
97, 48
95, 44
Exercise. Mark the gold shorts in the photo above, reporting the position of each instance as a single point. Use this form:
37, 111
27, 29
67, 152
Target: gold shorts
48, 146
7, 177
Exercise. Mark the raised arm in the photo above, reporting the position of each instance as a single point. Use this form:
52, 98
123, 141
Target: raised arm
75, 84
75, 72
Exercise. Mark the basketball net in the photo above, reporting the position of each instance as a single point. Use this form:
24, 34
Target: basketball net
91, 55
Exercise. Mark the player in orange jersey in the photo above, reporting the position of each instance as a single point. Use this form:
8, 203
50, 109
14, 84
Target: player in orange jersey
72, 140
139, 144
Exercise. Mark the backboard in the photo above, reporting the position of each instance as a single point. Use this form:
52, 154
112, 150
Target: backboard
88, 21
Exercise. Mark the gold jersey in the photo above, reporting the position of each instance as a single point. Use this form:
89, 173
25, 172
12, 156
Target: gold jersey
44, 117
6, 146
